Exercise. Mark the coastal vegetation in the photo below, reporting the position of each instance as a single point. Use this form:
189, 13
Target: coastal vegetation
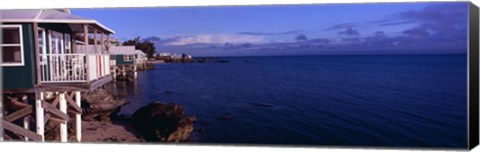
144, 45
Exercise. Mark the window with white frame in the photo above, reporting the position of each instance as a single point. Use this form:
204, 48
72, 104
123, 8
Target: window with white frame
12, 45
42, 46
68, 44
127, 57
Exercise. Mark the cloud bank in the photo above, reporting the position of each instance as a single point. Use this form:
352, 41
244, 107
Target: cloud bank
439, 27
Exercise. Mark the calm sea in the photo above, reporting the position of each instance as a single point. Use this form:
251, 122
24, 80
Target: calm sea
358, 100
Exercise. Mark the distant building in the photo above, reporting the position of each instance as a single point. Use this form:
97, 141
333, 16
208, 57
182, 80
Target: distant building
164, 54
122, 55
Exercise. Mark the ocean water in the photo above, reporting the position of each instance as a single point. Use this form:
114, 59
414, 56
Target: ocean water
357, 100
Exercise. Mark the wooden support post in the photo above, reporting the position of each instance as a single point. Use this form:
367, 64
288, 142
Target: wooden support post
26, 123
102, 62
114, 73
95, 46
95, 41
108, 43
63, 126
135, 71
85, 28
74, 45
1, 114
78, 119
102, 42
37, 51
124, 73
40, 115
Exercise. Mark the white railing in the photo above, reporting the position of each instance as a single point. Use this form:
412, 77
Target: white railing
99, 65
62, 68
71, 67
113, 63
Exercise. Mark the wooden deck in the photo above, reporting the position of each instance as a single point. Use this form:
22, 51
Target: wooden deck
75, 86
63, 86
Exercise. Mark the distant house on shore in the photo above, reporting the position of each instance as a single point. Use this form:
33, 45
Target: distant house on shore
140, 57
126, 55
122, 55
48, 52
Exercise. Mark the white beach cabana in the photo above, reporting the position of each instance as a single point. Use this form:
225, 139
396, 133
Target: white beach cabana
40, 55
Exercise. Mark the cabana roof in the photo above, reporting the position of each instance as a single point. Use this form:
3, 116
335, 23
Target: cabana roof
50, 16
122, 50
140, 52
90, 48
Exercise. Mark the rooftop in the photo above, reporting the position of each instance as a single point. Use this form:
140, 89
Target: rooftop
50, 16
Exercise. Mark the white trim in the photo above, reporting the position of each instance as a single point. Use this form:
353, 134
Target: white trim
10, 44
39, 13
60, 50
59, 21
43, 54
68, 43
128, 57
22, 57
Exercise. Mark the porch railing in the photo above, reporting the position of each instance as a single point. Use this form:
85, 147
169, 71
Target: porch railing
56, 68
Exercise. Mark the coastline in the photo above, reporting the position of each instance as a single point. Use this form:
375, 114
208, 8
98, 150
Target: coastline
97, 131
155, 122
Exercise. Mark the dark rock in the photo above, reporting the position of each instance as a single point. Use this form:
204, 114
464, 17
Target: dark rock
222, 61
202, 131
263, 105
205, 122
129, 77
100, 105
52, 130
163, 122
226, 116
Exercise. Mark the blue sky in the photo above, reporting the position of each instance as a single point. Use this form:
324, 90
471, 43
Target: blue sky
304, 29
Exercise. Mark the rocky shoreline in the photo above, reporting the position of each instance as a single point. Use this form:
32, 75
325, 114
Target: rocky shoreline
196, 60
156, 122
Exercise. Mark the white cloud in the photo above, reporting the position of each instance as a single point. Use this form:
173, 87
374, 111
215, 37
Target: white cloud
218, 39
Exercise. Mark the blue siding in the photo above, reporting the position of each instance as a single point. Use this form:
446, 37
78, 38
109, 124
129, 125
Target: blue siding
120, 61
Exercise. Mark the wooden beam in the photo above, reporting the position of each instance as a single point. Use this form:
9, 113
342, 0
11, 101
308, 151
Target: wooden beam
73, 104
56, 119
50, 108
102, 41
74, 46
47, 116
108, 43
100, 82
71, 94
19, 130
95, 49
73, 112
55, 101
95, 40
85, 28
37, 51
2, 133
18, 114
16, 103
